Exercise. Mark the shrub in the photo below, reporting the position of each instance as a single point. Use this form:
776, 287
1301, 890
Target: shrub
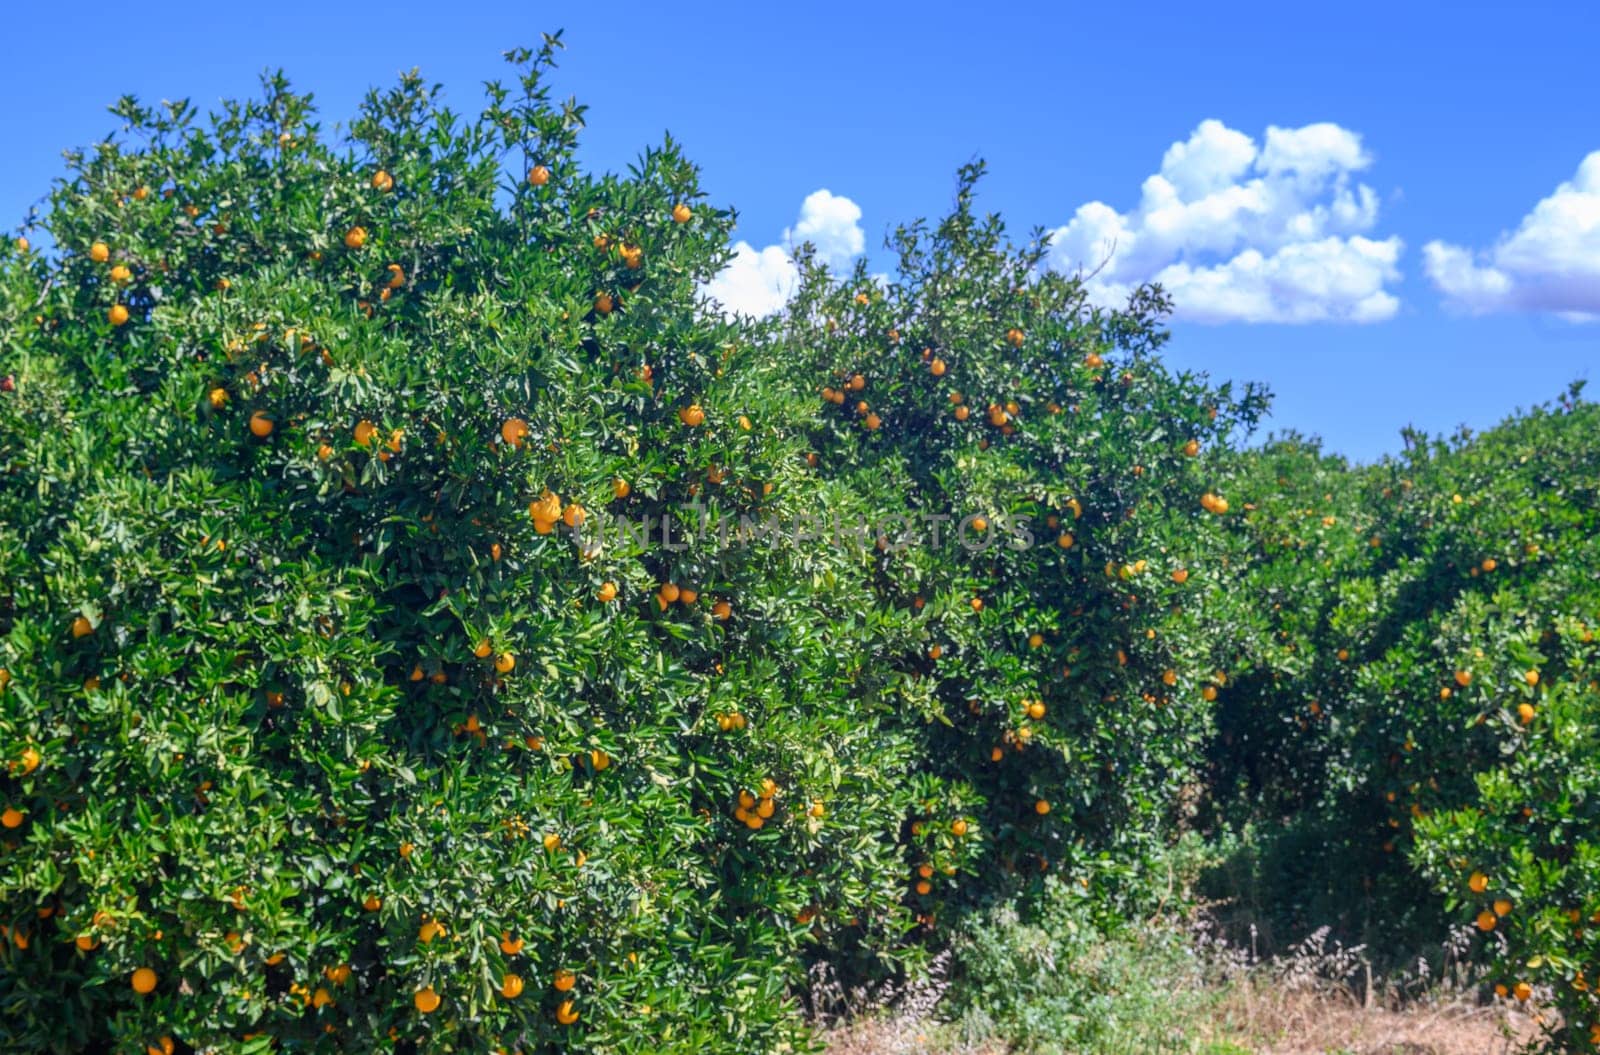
330, 719
1426, 708
1052, 975
1055, 666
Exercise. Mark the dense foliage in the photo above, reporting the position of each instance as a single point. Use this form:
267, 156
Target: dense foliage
426, 624
1418, 692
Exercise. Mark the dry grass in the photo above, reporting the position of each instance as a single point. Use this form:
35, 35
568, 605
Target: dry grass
1202, 996
1277, 1022
1260, 1020
885, 1036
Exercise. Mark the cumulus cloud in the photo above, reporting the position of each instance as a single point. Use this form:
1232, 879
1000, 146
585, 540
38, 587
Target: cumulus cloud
1551, 262
1241, 232
832, 223
755, 282
761, 281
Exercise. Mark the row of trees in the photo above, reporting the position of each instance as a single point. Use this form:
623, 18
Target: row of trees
334, 721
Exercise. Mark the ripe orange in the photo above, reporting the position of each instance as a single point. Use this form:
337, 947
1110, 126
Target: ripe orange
163, 1045
22, 245
1192, 448
1180, 576
355, 238
620, 488
962, 413
99, 252
607, 592
1525, 713
722, 610
144, 981
511, 986
1036, 710
873, 422
539, 176
1041, 807
565, 1013
937, 367
1478, 883
552, 842
81, 627
426, 1000
11, 818
1035, 640
924, 887
509, 945
1502, 907
364, 432
564, 980
382, 181
1463, 678
958, 827
430, 930
260, 425
373, 903
1065, 540
681, 213
218, 398
117, 315
504, 662
1014, 337
1531, 677
121, 274
692, 415
603, 303
1522, 991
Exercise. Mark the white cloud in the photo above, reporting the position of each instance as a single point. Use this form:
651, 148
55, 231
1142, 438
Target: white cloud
761, 281
832, 223
1241, 233
1550, 263
755, 282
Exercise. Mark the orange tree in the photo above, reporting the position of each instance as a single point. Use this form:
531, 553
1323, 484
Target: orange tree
333, 720
1419, 690
1043, 515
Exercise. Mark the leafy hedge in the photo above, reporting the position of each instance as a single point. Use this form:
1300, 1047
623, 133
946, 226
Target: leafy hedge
348, 709
1420, 691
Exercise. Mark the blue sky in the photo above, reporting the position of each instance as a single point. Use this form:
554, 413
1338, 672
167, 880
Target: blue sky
1397, 126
